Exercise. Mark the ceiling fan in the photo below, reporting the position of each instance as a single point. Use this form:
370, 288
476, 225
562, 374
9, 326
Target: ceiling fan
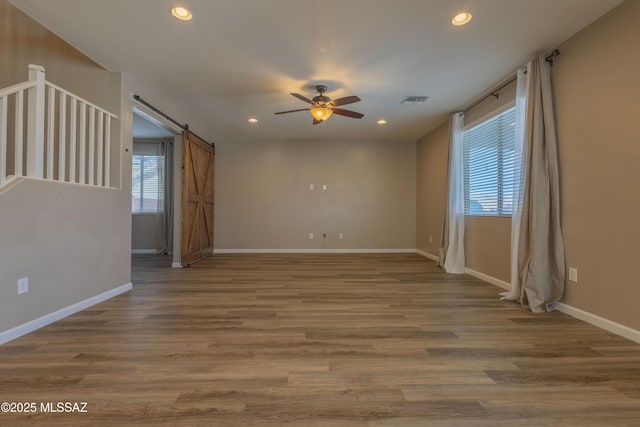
322, 107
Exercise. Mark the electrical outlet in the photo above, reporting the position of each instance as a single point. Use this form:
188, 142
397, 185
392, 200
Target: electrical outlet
430, 239
311, 236
340, 236
311, 187
573, 274
324, 187
23, 285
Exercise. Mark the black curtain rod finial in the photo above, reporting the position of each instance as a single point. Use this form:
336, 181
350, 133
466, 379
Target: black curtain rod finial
552, 55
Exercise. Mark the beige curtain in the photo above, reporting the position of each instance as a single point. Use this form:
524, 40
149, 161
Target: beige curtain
539, 259
164, 211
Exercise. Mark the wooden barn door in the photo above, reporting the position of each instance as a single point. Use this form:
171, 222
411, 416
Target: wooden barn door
197, 198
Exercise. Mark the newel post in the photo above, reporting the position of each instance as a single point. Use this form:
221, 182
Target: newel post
35, 123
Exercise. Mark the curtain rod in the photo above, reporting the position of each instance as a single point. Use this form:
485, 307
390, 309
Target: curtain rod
168, 117
494, 92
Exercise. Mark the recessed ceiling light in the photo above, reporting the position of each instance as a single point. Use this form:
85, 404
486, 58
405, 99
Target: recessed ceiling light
181, 13
253, 120
382, 122
461, 18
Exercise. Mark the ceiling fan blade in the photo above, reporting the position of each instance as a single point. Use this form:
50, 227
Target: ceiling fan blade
346, 100
316, 121
348, 113
302, 98
292, 111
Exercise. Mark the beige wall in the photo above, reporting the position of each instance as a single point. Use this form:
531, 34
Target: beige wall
596, 94
487, 243
66, 239
597, 91
24, 42
263, 199
71, 241
431, 172
144, 232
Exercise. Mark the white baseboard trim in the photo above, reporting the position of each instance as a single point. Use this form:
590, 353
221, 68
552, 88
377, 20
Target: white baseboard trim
314, 251
176, 265
145, 251
47, 319
428, 255
499, 283
601, 322
593, 319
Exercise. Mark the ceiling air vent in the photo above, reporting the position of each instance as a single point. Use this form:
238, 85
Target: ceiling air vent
414, 99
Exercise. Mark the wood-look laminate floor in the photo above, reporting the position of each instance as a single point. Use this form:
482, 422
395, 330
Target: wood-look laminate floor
320, 340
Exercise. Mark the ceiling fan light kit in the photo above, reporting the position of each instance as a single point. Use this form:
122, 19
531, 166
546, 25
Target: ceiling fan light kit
322, 107
321, 113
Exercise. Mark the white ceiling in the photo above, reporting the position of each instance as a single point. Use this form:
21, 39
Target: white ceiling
144, 127
241, 58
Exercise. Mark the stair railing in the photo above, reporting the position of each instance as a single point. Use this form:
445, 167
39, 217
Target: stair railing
65, 137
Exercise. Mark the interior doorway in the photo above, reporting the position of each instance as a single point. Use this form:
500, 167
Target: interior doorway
155, 189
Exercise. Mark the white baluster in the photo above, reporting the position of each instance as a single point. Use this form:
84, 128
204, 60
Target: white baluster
19, 133
92, 145
72, 140
100, 146
35, 123
51, 114
3, 139
83, 143
107, 152
62, 140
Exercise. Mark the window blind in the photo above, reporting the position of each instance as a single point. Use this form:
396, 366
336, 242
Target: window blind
147, 183
489, 160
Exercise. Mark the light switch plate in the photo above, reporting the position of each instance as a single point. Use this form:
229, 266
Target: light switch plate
23, 285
